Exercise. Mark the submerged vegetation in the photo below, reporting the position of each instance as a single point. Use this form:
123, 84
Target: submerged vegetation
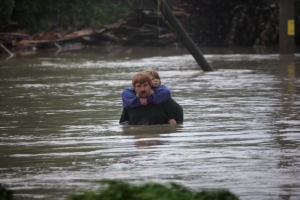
119, 190
5, 194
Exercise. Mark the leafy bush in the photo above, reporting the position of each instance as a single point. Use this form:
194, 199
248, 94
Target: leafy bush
5, 194
37, 15
6, 7
119, 190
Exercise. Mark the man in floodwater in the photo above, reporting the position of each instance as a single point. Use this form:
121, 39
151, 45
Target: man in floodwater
161, 93
168, 112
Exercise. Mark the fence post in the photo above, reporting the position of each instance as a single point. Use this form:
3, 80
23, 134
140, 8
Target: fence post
286, 27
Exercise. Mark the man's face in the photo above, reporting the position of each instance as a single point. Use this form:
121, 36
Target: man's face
142, 90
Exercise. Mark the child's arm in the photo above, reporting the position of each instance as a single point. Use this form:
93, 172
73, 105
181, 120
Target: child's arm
129, 98
161, 94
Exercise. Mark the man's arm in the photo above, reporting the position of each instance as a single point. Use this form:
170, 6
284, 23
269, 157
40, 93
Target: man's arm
174, 111
124, 119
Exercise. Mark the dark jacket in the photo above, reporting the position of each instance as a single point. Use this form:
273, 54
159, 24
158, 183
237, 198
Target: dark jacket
153, 114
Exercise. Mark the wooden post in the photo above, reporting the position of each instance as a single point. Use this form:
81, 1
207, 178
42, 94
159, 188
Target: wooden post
183, 35
286, 27
10, 53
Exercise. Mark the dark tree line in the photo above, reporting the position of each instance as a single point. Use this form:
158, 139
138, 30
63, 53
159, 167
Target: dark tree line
47, 15
236, 22
209, 22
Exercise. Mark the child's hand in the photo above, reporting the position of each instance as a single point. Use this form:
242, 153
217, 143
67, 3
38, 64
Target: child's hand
143, 101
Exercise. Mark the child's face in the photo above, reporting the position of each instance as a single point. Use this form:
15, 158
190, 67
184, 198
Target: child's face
155, 81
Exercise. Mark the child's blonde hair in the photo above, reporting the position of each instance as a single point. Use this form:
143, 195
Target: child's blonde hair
154, 74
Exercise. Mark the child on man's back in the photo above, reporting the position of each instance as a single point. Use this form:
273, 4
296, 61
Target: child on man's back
161, 93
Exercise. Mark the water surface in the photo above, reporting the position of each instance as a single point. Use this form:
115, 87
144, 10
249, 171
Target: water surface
59, 131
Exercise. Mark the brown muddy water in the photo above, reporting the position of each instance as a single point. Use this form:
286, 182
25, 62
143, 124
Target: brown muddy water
59, 131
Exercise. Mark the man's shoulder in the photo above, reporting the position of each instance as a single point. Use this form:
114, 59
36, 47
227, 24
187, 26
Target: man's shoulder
171, 104
160, 87
171, 101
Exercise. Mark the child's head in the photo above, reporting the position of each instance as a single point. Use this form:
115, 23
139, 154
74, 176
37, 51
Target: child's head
155, 79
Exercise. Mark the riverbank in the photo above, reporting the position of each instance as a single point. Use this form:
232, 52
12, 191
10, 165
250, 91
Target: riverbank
146, 27
139, 28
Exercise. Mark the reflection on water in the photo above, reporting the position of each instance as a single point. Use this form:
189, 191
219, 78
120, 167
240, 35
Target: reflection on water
59, 130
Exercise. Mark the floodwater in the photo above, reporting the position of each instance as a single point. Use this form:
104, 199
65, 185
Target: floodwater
60, 134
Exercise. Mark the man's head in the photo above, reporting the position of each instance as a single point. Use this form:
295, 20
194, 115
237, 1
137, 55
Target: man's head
155, 79
141, 82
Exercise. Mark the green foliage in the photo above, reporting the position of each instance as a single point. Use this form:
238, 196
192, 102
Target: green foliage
5, 194
37, 15
6, 7
119, 190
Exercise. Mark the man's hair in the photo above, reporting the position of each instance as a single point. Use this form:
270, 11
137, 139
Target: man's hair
141, 77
